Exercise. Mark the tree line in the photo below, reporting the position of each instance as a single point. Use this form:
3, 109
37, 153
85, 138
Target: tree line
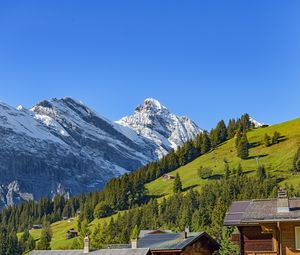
120, 193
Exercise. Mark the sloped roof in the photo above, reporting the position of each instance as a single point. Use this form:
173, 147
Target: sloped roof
255, 211
138, 251
144, 232
172, 241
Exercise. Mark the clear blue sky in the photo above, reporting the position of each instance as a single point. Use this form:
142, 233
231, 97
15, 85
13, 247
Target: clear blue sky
205, 59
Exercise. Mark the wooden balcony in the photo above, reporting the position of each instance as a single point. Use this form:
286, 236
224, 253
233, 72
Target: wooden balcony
261, 253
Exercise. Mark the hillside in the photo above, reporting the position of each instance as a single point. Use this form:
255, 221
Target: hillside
277, 159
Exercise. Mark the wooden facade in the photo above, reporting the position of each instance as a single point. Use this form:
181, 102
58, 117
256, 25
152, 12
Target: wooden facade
269, 239
267, 226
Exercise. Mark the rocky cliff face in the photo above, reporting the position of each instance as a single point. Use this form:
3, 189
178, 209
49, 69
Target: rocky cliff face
62, 146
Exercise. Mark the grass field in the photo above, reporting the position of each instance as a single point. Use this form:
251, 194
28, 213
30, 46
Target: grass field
277, 159
59, 231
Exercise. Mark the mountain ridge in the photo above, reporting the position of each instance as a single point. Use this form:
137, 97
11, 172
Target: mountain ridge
61, 145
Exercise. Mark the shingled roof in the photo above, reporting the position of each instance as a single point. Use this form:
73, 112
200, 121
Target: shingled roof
172, 241
256, 211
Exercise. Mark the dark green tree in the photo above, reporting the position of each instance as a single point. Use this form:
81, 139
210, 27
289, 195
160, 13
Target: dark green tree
296, 160
102, 209
228, 247
243, 147
177, 186
261, 173
135, 232
231, 129
267, 140
46, 236
204, 172
275, 137
226, 170
217, 218
239, 170
206, 144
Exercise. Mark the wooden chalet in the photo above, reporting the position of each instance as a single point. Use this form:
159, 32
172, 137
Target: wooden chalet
162, 242
167, 177
267, 227
71, 233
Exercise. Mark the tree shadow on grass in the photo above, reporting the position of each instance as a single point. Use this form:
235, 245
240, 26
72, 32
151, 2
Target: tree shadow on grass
190, 187
280, 179
254, 144
215, 177
259, 156
248, 172
149, 197
281, 138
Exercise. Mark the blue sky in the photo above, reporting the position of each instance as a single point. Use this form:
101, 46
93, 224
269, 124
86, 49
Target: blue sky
209, 60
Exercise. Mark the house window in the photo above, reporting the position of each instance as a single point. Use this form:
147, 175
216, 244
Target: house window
297, 238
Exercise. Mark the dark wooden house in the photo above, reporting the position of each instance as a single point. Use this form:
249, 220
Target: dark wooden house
184, 243
71, 233
267, 227
167, 177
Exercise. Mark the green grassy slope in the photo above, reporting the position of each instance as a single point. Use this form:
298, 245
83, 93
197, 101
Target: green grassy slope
59, 231
277, 159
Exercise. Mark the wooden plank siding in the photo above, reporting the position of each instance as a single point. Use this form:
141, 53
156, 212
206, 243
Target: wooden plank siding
252, 239
287, 233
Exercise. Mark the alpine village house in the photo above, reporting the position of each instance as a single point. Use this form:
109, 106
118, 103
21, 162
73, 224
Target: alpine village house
151, 242
267, 227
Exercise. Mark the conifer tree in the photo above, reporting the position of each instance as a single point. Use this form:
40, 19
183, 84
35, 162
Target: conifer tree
243, 147
261, 173
231, 129
177, 186
238, 138
275, 138
221, 131
206, 144
239, 170
46, 236
226, 170
134, 232
296, 161
217, 218
228, 247
267, 139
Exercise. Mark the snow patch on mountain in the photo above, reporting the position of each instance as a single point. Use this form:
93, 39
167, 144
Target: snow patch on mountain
255, 122
61, 146
156, 123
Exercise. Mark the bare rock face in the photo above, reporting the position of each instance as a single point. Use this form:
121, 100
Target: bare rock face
61, 146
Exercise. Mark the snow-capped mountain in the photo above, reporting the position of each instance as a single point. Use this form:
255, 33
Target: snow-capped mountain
60, 146
156, 123
255, 122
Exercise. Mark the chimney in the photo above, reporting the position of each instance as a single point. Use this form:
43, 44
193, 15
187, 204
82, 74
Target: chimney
186, 232
134, 243
283, 205
187, 229
86, 248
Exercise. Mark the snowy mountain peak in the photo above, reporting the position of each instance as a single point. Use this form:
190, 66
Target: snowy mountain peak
255, 122
154, 122
151, 104
20, 108
61, 146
